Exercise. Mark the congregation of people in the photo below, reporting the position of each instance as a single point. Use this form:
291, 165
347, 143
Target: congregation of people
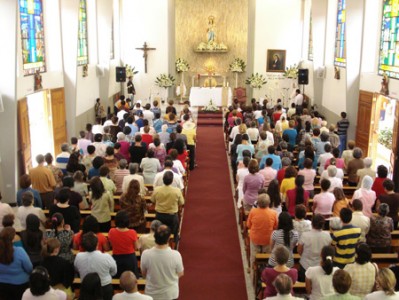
82, 214
303, 188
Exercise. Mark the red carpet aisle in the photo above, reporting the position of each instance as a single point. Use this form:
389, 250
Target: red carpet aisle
209, 240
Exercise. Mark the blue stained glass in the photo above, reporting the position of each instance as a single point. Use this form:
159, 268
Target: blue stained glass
32, 36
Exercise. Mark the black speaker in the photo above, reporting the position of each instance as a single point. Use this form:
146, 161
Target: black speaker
120, 74
303, 76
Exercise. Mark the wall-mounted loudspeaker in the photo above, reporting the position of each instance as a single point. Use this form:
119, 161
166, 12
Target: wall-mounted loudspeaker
120, 74
303, 76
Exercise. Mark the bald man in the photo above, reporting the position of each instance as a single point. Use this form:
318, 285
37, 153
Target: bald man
128, 283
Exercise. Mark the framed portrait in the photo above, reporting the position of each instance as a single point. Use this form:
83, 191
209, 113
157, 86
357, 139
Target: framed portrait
275, 60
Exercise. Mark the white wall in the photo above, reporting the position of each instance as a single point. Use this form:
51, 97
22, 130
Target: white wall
278, 25
145, 21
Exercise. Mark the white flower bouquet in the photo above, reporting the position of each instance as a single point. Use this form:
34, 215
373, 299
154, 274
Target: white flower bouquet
165, 80
211, 107
291, 72
181, 65
130, 72
256, 81
237, 66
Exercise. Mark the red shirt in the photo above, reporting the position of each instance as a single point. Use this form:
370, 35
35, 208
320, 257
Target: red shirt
147, 139
182, 157
280, 175
102, 240
122, 241
291, 195
377, 186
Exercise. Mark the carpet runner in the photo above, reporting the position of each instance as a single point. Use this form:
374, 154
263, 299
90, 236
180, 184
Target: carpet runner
209, 240
210, 119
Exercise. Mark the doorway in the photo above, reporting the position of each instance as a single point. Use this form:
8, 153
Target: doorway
381, 134
40, 124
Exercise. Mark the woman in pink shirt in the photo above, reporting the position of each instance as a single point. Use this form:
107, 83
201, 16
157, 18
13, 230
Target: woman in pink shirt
324, 201
309, 174
366, 195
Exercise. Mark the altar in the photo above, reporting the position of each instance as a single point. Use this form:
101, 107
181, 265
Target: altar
200, 96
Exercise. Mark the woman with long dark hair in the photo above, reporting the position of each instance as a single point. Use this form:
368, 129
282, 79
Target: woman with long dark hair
32, 239
284, 235
135, 206
102, 204
319, 278
182, 153
297, 195
275, 197
15, 266
90, 289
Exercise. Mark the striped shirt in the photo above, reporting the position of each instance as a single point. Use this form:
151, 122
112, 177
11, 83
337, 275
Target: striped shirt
345, 241
278, 239
342, 126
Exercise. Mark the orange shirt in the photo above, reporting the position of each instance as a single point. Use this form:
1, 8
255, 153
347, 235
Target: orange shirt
42, 179
262, 222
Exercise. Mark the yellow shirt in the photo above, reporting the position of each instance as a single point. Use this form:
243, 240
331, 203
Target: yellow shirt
190, 134
167, 199
286, 185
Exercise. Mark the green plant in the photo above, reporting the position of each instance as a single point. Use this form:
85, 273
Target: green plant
165, 80
385, 137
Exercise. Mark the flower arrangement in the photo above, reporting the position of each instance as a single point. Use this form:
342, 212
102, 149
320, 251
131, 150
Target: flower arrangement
256, 81
237, 66
291, 72
211, 46
182, 65
165, 80
130, 72
211, 107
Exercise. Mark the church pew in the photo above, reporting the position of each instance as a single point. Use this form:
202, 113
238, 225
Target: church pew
115, 283
383, 260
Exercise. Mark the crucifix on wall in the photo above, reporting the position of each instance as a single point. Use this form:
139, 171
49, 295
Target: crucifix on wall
145, 49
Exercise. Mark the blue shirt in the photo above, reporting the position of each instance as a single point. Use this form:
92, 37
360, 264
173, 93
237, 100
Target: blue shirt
18, 271
94, 172
36, 196
276, 161
291, 133
158, 125
241, 148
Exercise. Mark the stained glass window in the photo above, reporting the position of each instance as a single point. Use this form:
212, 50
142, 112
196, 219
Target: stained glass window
83, 57
32, 36
340, 47
310, 46
389, 45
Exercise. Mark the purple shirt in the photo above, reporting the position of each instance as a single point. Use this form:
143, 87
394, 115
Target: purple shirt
268, 277
252, 184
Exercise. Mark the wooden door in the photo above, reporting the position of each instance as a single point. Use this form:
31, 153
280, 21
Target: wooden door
365, 118
394, 154
58, 118
24, 144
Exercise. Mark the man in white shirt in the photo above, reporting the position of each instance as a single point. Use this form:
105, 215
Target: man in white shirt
134, 169
101, 148
128, 283
148, 114
177, 179
298, 102
94, 260
162, 267
323, 158
360, 220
